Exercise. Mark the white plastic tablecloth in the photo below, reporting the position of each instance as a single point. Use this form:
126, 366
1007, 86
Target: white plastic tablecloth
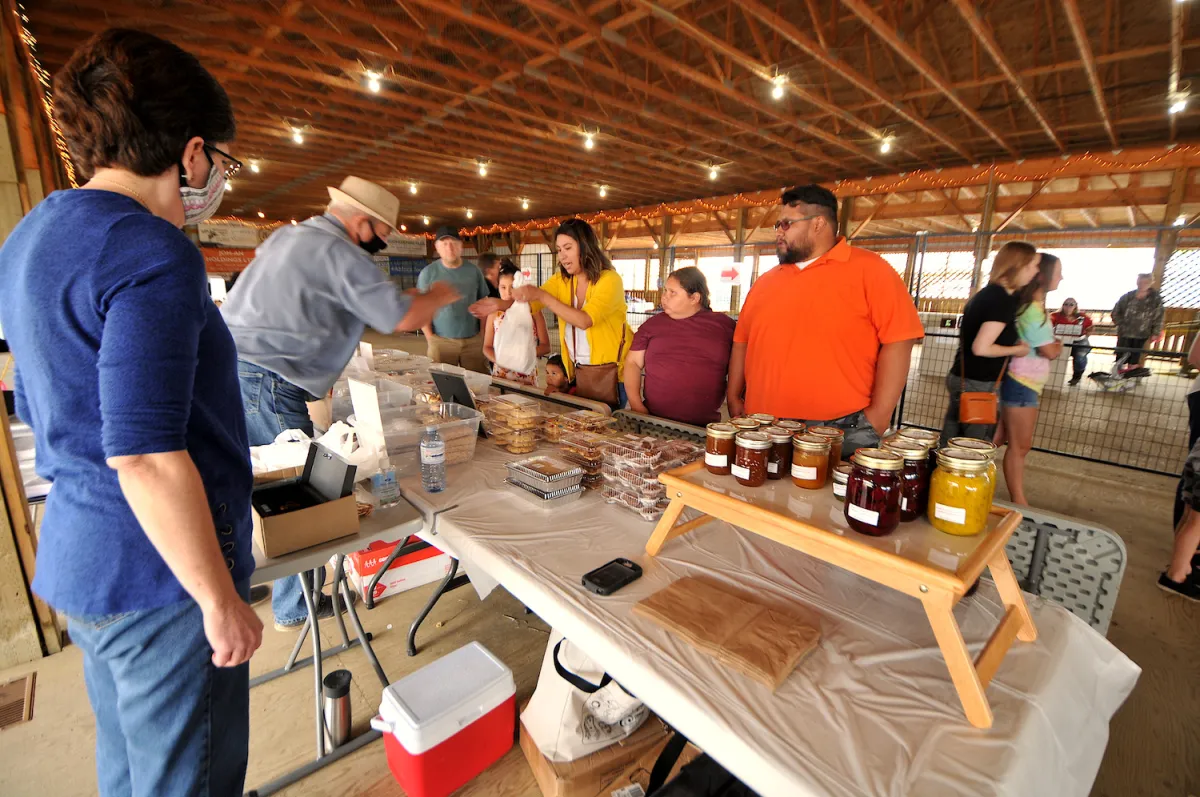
871, 712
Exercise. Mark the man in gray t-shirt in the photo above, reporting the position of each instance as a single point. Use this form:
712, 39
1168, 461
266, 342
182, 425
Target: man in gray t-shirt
298, 312
453, 335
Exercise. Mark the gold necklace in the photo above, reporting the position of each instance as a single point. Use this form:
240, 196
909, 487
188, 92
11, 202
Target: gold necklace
132, 193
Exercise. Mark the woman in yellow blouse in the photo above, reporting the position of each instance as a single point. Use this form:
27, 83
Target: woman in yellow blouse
588, 297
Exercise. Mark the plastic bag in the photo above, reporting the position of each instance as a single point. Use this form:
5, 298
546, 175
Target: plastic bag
364, 454
515, 342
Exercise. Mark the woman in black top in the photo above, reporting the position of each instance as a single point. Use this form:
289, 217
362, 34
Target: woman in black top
988, 335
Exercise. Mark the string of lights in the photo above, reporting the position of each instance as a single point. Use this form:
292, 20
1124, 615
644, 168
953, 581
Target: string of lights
29, 42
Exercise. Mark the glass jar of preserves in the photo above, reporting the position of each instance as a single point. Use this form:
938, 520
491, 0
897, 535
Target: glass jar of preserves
744, 424
960, 492
926, 437
873, 491
764, 419
985, 447
836, 436
718, 447
841, 474
795, 427
914, 478
750, 460
780, 459
810, 461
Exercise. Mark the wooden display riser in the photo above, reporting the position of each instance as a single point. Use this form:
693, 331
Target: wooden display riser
912, 568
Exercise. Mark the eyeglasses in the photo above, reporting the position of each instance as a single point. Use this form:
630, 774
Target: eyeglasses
232, 164
783, 225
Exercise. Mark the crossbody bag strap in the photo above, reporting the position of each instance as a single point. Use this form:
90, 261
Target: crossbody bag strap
1003, 368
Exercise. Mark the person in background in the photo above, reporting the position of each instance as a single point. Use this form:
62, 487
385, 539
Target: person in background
489, 263
1074, 326
556, 377
988, 336
297, 315
827, 335
127, 375
491, 326
1182, 576
1021, 389
1138, 316
453, 337
1193, 403
588, 297
677, 366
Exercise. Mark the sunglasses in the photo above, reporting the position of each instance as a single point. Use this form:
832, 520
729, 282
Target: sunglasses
232, 164
783, 225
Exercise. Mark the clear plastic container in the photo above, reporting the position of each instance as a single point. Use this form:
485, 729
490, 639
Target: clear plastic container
403, 427
590, 467
638, 453
545, 500
398, 361
585, 445
586, 421
522, 441
646, 509
545, 473
476, 382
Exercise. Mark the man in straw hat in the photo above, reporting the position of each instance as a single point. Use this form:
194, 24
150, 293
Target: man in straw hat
299, 311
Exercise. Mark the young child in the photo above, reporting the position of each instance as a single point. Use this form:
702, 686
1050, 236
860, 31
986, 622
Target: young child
556, 377
508, 271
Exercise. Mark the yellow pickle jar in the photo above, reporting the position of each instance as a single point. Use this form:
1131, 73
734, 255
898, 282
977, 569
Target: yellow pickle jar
985, 447
960, 492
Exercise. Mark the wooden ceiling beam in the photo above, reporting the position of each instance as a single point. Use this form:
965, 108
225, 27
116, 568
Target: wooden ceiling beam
984, 34
1075, 22
1176, 61
840, 67
889, 35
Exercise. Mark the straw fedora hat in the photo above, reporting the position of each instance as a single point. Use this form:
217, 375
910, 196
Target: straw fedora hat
374, 200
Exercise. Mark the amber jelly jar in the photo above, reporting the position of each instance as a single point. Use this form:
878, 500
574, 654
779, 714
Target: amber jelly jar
873, 491
810, 461
836, 436
985, 447
718, 447
960, 492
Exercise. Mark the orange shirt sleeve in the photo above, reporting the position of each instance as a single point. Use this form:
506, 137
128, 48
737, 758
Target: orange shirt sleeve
741, 334
891, 307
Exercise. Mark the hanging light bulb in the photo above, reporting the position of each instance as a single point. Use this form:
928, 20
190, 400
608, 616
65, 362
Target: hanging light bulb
297, 135
262, 215
712, 172
403, 228
254, 167
373, 81
483, 168
524, 204
1179, 105
470, 214
293, 222
603, 191
777, 91
1180, 221
589, 140
425, 220
885, 146
412, 188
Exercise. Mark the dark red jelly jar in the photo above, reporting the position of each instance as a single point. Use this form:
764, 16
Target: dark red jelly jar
873, 491
914, 477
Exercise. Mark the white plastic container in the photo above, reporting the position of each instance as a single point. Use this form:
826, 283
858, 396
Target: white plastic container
448, 721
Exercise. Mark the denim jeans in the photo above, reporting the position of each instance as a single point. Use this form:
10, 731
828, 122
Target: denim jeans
952, 426
168, 722
1193, 402
274, 405
858, 432
1079, 358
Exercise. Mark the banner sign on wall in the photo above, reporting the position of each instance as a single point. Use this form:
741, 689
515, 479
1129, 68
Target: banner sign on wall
403, 245
238, 235
219, 260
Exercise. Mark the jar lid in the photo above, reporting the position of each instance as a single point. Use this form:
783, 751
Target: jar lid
963, 459
842, 472
794, 426
909, 449
827, 431
878, 459
814, 443
778, 434
746, 424
926, 437
755, 441
722, 431
763, 418
970, 443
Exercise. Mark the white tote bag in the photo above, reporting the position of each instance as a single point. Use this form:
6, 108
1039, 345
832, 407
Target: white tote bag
514, 342
577, 708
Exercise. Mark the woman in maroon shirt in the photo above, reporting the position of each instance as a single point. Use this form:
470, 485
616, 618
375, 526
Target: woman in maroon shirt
677, 365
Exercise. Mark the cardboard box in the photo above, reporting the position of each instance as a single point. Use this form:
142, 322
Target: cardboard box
316, 508
407, 572
611, 772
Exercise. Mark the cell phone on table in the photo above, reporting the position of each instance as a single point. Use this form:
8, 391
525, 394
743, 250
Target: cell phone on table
609, 578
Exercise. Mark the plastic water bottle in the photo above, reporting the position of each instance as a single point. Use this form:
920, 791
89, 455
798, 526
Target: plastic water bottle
433, 461
386, 488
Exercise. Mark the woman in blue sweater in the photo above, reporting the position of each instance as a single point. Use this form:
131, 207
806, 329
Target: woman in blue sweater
128, 376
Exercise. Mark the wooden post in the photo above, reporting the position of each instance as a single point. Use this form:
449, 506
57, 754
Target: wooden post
1165, 241
983, 238
665, 256
845, 212
910, 265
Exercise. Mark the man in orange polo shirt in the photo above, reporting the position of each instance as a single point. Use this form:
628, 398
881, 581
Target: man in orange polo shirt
826, 335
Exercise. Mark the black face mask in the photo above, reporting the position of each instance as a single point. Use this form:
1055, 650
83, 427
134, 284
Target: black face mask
376, 244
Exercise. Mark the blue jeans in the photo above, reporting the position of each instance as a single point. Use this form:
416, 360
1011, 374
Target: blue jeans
168, 722
1079, 358
273, 405
1015, 394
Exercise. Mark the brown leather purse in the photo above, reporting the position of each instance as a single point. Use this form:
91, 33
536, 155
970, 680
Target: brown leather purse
978, 408
599, 382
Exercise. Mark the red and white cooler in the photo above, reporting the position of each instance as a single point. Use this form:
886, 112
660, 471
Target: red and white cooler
448, 721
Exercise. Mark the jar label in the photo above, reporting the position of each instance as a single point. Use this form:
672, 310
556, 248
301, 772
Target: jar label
904, 503
862, 515
716, 460
741, 473
773, 467
950, 514
803, 472
839, 490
